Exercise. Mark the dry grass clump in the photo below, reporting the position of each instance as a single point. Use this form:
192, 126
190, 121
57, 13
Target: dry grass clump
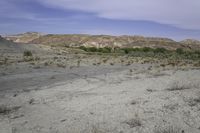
78, 63
171, 107
28, 58
96, 129
128, 63
112, 63
105, 60
179, 86
3, 61
60, 64
48, 63
98, 63
134, 122
197, 64
4, 110
133, 102
150, 90
168, 129
193, 101
159, 74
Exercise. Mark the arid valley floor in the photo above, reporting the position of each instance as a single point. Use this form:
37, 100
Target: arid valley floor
60, 91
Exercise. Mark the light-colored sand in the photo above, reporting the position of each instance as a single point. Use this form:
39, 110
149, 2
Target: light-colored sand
114, 99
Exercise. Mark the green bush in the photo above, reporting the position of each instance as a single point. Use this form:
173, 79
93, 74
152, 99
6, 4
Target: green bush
28, 53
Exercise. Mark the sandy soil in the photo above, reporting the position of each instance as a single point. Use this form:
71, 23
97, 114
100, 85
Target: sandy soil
139, 98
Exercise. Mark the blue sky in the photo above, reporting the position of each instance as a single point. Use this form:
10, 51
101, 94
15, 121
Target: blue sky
176, 19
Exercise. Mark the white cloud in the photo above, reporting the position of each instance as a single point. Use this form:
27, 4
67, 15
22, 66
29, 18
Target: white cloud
180, 13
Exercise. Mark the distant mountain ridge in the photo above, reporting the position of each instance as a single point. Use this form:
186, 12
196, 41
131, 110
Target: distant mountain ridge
77, 40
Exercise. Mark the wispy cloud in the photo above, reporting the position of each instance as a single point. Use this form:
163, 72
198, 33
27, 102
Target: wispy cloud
180, 13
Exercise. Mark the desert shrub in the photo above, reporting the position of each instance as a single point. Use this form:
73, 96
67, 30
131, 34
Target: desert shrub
88, 49
28, 53
126, 51
83, 48
105, 50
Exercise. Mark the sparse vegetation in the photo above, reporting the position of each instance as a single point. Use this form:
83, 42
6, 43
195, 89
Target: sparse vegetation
159, 53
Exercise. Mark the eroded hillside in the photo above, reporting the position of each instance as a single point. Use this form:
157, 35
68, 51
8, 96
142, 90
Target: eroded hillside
99, 41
